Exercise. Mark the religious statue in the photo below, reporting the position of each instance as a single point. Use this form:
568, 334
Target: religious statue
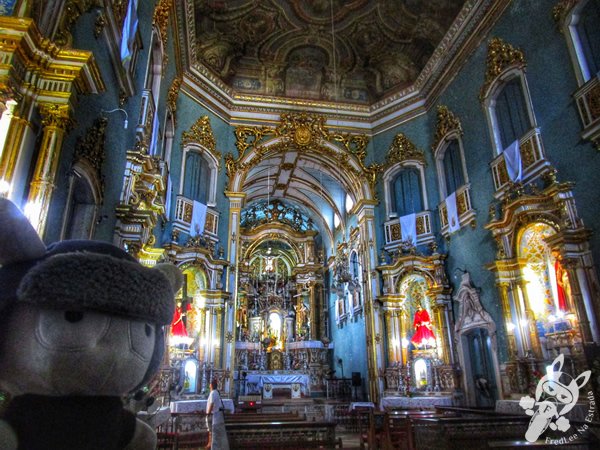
562, 285
422, 325
178, 324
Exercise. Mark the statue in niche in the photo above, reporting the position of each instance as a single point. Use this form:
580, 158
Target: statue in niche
471, 313
423, 335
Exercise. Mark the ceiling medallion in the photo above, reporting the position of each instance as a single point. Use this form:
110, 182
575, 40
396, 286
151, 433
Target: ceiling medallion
302, 135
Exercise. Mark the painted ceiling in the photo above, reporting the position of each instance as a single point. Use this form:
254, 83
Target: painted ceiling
356, 51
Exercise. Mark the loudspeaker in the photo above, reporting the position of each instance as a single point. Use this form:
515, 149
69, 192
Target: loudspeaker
356, 379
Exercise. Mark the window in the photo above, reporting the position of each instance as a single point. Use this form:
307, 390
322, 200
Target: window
349, 203
588, 34
511, 113
406, 191
130, 25
453, 170
197, 178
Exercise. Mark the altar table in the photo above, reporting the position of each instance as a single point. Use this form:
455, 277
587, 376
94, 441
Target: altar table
185, 406
415, 402
255, 381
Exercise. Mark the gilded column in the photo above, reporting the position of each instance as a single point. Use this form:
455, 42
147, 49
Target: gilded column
55, 119
442, 329
508, 319
391, 336
531, 323
404, 325
313, 312
12, 147
578, 302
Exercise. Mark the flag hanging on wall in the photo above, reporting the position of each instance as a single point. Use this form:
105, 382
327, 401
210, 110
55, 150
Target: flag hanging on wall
512, 158
408, 227
452, 213
198, 219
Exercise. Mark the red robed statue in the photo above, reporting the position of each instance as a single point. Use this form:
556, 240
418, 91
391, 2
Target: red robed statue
178, 327
422, 324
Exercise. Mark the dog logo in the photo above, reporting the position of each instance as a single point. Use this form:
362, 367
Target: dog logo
555, 395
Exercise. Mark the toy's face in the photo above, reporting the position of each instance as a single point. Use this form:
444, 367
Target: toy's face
54, 352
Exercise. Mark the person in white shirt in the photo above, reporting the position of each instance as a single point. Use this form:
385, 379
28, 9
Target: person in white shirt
217, 436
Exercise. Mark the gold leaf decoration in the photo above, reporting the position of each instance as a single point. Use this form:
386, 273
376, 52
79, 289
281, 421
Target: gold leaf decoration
446, 122
402, 149
500, 57
201, 133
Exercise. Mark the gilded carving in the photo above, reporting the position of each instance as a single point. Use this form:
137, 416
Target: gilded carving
160, 19
594, 102
303, 129
446, 122
561, 10
71, 12
99, 25
402, 149
395, 232
246, 137
119, 9
201, 133
54, 115
91, 146
500, 57
527, 154
173, 94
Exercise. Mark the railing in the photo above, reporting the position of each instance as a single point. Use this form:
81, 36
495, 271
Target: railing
393, 231
183, 217
466, 213
533, 162
587, 98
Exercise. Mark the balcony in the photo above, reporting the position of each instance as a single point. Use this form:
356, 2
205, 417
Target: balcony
147, 111
393, 232
183, 218
587, 98
533, 162
466, 213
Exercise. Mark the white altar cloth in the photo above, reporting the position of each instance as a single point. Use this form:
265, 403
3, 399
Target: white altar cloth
186, 406
415, 402
256, 381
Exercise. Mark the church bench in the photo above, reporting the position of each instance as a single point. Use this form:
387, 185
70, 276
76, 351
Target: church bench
265, 417
446, 433
288, 435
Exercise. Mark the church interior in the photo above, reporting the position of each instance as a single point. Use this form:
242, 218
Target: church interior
374, 204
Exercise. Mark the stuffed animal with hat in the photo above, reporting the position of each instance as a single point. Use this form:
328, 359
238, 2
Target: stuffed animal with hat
81, 326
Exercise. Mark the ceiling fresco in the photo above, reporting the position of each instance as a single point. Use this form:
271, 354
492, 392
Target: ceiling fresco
290, 49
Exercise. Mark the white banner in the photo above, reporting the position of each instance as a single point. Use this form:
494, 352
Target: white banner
408, 227
198, 219
452, 213
512, 158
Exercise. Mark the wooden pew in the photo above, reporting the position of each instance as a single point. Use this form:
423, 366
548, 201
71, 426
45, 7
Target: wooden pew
282, 435
265, 417
449, 433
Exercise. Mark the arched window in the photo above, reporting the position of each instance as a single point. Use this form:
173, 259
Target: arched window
406, 191
197, 178
453, 167
79, 220
512, 118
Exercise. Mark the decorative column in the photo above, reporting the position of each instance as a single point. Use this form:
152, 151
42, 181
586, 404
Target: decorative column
573, 270
236, 200
440, 314
314, 332
55, 119
404, 326
12, 147
373, 320
531, 326
508, 319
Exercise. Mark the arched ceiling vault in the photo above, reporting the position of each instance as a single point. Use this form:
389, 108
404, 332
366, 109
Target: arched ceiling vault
302, 164
365, 62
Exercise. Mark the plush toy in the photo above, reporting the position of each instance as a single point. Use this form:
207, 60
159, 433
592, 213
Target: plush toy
81, 326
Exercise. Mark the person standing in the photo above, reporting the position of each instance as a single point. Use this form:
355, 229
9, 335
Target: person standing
217, 435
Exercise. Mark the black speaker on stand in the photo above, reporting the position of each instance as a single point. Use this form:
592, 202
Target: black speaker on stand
356, 383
